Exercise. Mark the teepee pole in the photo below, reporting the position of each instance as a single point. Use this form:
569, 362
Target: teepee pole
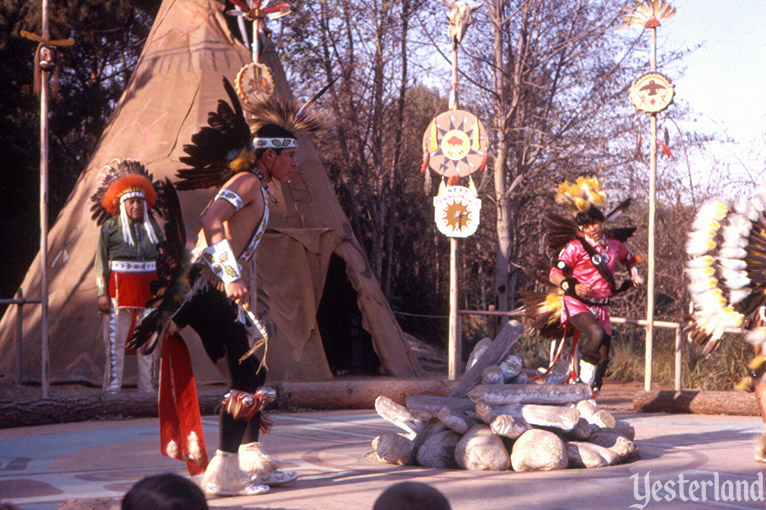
44, 208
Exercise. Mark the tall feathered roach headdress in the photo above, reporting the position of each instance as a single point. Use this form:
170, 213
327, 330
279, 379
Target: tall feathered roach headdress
227, 144
124, 179
727, 271
583, 199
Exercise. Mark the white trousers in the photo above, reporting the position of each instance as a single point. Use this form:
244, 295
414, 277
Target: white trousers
116, 327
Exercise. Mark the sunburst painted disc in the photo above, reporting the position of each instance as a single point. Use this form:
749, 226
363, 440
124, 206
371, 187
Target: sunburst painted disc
457, 144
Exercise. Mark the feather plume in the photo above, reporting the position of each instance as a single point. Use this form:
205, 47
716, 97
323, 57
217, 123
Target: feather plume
284, 113
219, 149
700, 262
699, 245
615, 213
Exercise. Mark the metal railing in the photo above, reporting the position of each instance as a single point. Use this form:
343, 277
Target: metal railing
19, 301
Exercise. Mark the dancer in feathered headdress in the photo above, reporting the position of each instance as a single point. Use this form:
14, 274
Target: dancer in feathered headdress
581, 282
727, 284
240, 155
125, 261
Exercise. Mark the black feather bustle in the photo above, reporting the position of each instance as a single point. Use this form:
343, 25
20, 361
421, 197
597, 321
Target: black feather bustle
173, 273
617, 211
215, 145
622, 234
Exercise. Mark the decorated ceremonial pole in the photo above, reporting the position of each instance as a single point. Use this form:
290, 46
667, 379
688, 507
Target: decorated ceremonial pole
44, 203
45, 62
455, 146
650, 93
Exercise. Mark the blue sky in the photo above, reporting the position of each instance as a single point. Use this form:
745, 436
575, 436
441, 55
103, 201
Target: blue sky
725, 80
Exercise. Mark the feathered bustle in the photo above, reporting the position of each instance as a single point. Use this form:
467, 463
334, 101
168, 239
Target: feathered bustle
727, 276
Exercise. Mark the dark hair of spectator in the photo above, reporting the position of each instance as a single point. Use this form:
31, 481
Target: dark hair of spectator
411, 496
164, 492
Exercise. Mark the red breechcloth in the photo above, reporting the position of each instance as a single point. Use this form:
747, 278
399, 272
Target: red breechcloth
178, 405
131, 289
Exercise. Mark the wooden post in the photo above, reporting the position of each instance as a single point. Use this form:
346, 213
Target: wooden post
679, 347
19, 333
650, 248
454, 336
44, 209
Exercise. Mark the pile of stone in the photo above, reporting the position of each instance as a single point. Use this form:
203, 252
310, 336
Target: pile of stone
496, 419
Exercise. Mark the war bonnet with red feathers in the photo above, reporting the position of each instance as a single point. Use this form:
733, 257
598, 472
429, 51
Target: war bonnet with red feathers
124, 179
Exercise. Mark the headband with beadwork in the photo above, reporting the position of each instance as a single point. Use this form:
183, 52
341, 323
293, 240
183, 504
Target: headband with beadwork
275, 143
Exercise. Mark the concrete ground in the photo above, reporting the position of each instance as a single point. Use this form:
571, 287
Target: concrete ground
680, 457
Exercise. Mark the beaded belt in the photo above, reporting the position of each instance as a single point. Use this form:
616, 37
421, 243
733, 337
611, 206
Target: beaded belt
128, 266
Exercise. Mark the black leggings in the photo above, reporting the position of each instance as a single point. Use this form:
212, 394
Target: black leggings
594, 343
225, 340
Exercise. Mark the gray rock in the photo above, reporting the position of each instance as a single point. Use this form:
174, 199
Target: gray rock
539, 450
481, 450
438, 451
511, 367
492, 375
625, 429
620, 445
507, 426
522, 378
392, 448
589, 455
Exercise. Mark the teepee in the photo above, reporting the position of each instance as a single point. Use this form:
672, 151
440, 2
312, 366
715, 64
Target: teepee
320, 302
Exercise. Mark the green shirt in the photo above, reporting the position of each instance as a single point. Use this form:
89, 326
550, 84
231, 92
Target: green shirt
111, 246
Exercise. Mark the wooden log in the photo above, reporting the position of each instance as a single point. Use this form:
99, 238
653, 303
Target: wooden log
492, 355
558, 417
356, 394
477, 351
600, 418
458, 421
699, 402
511, 367
497, 350
497, 394
398, 415
425, 407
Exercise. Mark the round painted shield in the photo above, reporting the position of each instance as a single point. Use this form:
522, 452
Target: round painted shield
456, 143
456, 211
254, 83
651, 92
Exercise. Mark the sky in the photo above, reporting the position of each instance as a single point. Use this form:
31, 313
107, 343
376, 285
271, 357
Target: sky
725, 80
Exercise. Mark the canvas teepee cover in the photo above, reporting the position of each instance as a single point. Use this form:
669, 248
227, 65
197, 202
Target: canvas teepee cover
177, 81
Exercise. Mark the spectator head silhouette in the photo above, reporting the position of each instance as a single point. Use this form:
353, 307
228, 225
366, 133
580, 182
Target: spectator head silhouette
411, 496
164, 492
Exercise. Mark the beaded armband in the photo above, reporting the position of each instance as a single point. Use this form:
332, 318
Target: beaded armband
230, 196
220, 257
